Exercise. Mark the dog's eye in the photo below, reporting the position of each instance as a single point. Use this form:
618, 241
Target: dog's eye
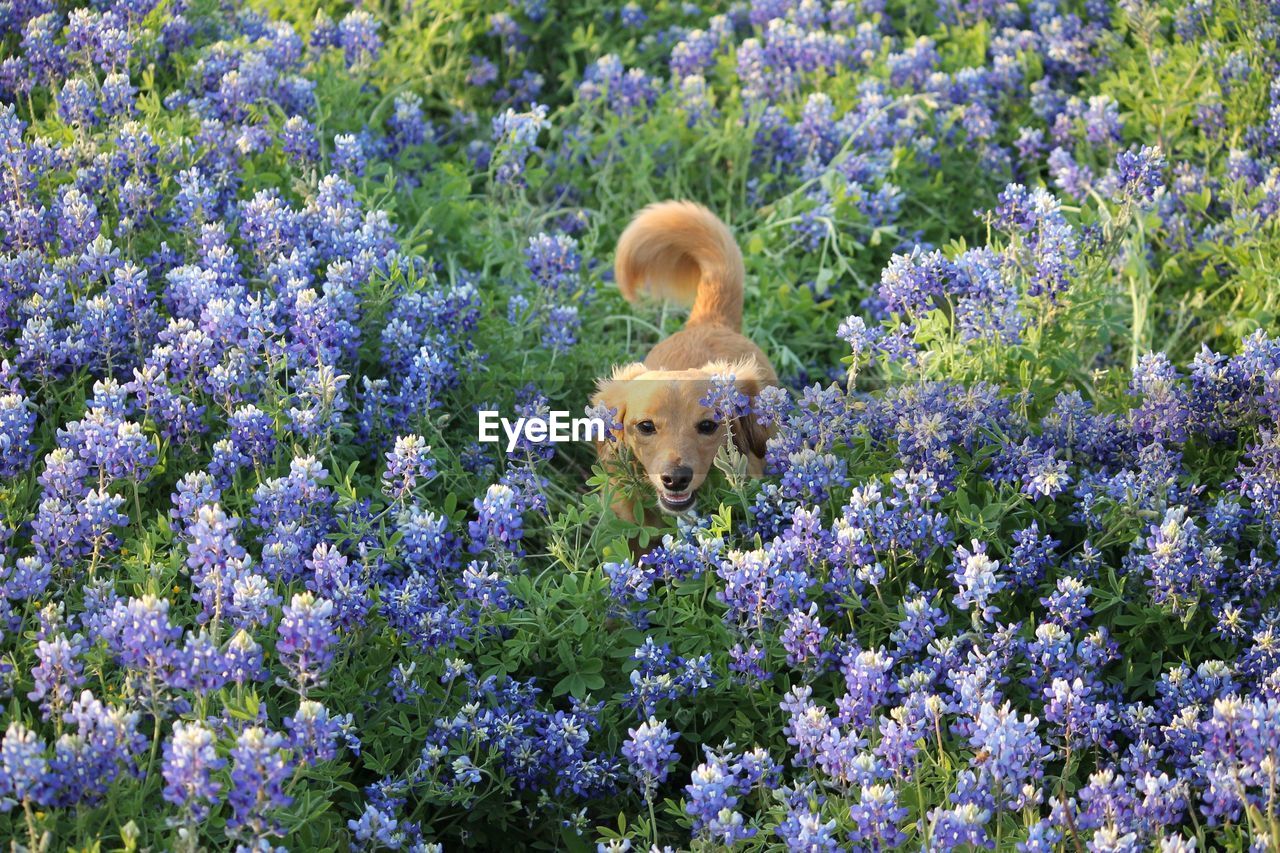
706, 427
646, 427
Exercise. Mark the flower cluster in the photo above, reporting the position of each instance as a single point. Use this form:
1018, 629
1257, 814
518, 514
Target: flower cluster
1009, 580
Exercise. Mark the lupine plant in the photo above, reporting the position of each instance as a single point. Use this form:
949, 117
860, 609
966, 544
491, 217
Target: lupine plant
1010, 580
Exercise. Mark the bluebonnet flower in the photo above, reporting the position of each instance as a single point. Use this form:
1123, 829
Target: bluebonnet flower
554, 263
919, 625
26, 579
629, 584
1139, 175
1045, 243
499, 526
516, 137
298, 140
79, 222
243, 659
78, 103
1069, 604
627, 90
805, 830
876, 818
649, 750
978, 578
714, 790
306, 639
860, 338
758, 591
867, 685
143, 638
427, 543
958, 827
359, 38
910, 283
483, 71
17, 423
58, 674
803, 637
1178, 566
314, 732
1238, 738
771, 406
409, 126
100, 744
696, 52
1010, 755
260, 766
746, 664
661, 676
560, 332
632, 16
1069, 175
409, 463
215, 559
809, 476
190, 760
348, 154
725, 397
23, 767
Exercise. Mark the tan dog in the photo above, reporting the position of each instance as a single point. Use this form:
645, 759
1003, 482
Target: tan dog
682, 251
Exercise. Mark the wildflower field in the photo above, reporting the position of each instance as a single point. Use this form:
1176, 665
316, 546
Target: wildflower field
1011, 580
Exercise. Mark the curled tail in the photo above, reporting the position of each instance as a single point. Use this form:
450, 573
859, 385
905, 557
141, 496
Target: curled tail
681, 251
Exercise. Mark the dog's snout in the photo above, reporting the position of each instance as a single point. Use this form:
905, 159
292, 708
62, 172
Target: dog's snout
677, 479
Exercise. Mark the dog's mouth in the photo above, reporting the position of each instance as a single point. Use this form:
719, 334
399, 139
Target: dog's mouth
676, 501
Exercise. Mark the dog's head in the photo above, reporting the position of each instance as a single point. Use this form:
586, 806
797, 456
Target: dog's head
668, 429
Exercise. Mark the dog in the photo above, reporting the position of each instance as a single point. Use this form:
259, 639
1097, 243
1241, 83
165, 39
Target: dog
681, 251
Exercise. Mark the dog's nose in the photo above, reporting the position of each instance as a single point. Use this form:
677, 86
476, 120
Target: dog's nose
677, 479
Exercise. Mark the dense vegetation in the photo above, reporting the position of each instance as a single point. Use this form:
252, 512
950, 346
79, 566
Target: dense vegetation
1010, 581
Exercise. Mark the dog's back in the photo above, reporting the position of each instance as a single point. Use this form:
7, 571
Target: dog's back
681, 251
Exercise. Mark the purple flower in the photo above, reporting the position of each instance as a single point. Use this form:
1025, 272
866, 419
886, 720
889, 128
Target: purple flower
499, 526
803, 637
306, 639
554, 263
57, 675
23, 766
809, 476
954, 828
190, 760
977, 576
409, 463
1010, 756
876, 817
560, 332
144, 639
866, 678
78, 220
649, 750
358, 36
714, 791
314, 732
661, 676
1139, 175
260, 766
348, 154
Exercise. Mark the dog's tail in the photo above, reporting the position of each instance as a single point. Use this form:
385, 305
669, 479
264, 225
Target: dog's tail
681, 251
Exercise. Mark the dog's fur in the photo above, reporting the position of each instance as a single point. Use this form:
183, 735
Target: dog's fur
681, 251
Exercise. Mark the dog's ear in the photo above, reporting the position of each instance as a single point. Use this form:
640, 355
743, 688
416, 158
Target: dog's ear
613, 392
750, 437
